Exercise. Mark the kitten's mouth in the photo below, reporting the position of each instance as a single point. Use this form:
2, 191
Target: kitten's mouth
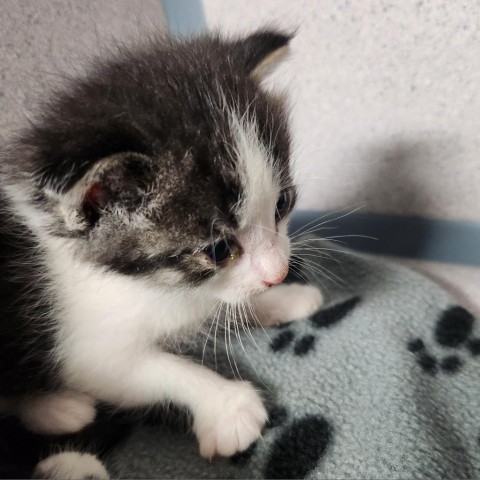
260, 290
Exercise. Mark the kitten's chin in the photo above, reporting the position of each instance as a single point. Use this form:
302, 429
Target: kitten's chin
234, 297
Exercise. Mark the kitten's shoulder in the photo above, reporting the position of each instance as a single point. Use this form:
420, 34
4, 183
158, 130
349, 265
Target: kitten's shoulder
26, 321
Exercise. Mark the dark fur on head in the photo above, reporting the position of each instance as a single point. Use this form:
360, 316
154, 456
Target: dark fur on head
148, 133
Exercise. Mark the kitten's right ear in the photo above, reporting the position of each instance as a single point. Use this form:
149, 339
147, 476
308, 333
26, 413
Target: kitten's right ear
95, 199
260, 52
119, 180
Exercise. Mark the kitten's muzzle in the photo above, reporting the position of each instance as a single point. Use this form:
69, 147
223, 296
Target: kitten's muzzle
271, 266
279, 279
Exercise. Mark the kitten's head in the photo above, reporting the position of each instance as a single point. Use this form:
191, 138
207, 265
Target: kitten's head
169, 162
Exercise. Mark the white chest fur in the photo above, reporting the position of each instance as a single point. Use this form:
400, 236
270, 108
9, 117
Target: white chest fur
108, 322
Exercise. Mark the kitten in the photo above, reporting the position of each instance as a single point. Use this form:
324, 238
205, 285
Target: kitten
149, 194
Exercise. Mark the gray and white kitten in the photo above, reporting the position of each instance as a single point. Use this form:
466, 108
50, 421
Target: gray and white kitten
150, 193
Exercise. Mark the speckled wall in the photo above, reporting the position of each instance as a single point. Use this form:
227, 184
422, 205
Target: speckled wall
42, 40
386, 100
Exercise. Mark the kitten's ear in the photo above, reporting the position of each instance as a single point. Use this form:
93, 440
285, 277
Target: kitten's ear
262, 51
118, 181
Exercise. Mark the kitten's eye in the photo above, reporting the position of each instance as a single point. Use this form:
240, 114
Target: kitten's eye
218, 252
283, 205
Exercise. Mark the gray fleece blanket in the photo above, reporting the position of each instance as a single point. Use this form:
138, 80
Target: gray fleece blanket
381, 383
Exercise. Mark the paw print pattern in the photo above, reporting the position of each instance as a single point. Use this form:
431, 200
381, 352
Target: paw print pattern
330, 316
276, 417
324, 318
282, 340
299, 446
304, 345
474, 346
454, 327
452, 330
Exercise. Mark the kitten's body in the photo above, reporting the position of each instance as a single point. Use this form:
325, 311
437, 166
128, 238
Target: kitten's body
152, 192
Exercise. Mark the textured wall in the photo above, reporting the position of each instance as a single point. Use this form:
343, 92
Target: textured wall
41, 40
387, 100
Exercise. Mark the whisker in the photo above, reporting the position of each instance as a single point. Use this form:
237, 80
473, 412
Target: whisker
323, 272
317, 279
227, 321
259, 323
296, 268
208, 334
302, 231
245, 326
230, 345
237, 334
369, 237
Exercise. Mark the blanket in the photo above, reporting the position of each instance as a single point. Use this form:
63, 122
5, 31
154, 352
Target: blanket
380, 383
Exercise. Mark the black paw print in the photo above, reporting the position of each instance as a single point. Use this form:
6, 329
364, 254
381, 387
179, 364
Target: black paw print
276, 416
322, 319
453, 330
298, 447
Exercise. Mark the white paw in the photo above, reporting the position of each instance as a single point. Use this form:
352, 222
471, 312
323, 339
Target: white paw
285, 303
230, 421
71, 466
57, 413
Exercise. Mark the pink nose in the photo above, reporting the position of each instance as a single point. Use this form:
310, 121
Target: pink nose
275, 281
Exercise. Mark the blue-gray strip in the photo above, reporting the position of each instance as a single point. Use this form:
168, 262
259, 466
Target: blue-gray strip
413, 237
184, 17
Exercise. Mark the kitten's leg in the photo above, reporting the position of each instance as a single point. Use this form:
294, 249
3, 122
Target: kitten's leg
71, 466
56, 413
286, 302
227, 415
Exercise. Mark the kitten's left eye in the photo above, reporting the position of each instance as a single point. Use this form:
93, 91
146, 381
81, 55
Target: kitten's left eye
220, 251
283, 205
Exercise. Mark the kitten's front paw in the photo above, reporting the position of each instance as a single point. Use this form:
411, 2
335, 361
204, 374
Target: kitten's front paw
285, 303
230, 421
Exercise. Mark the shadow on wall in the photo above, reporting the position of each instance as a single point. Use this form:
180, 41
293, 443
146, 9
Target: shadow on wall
408, 176
399, 178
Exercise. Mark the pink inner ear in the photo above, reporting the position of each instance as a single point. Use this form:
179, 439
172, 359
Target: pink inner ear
94, 200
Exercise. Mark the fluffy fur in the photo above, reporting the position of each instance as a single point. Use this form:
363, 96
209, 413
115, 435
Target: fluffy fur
151, 195
70, 466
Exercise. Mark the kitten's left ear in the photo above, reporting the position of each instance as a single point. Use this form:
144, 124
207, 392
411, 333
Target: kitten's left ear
262, 51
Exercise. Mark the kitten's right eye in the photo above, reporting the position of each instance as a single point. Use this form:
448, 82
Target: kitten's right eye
218, 252
283, 205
